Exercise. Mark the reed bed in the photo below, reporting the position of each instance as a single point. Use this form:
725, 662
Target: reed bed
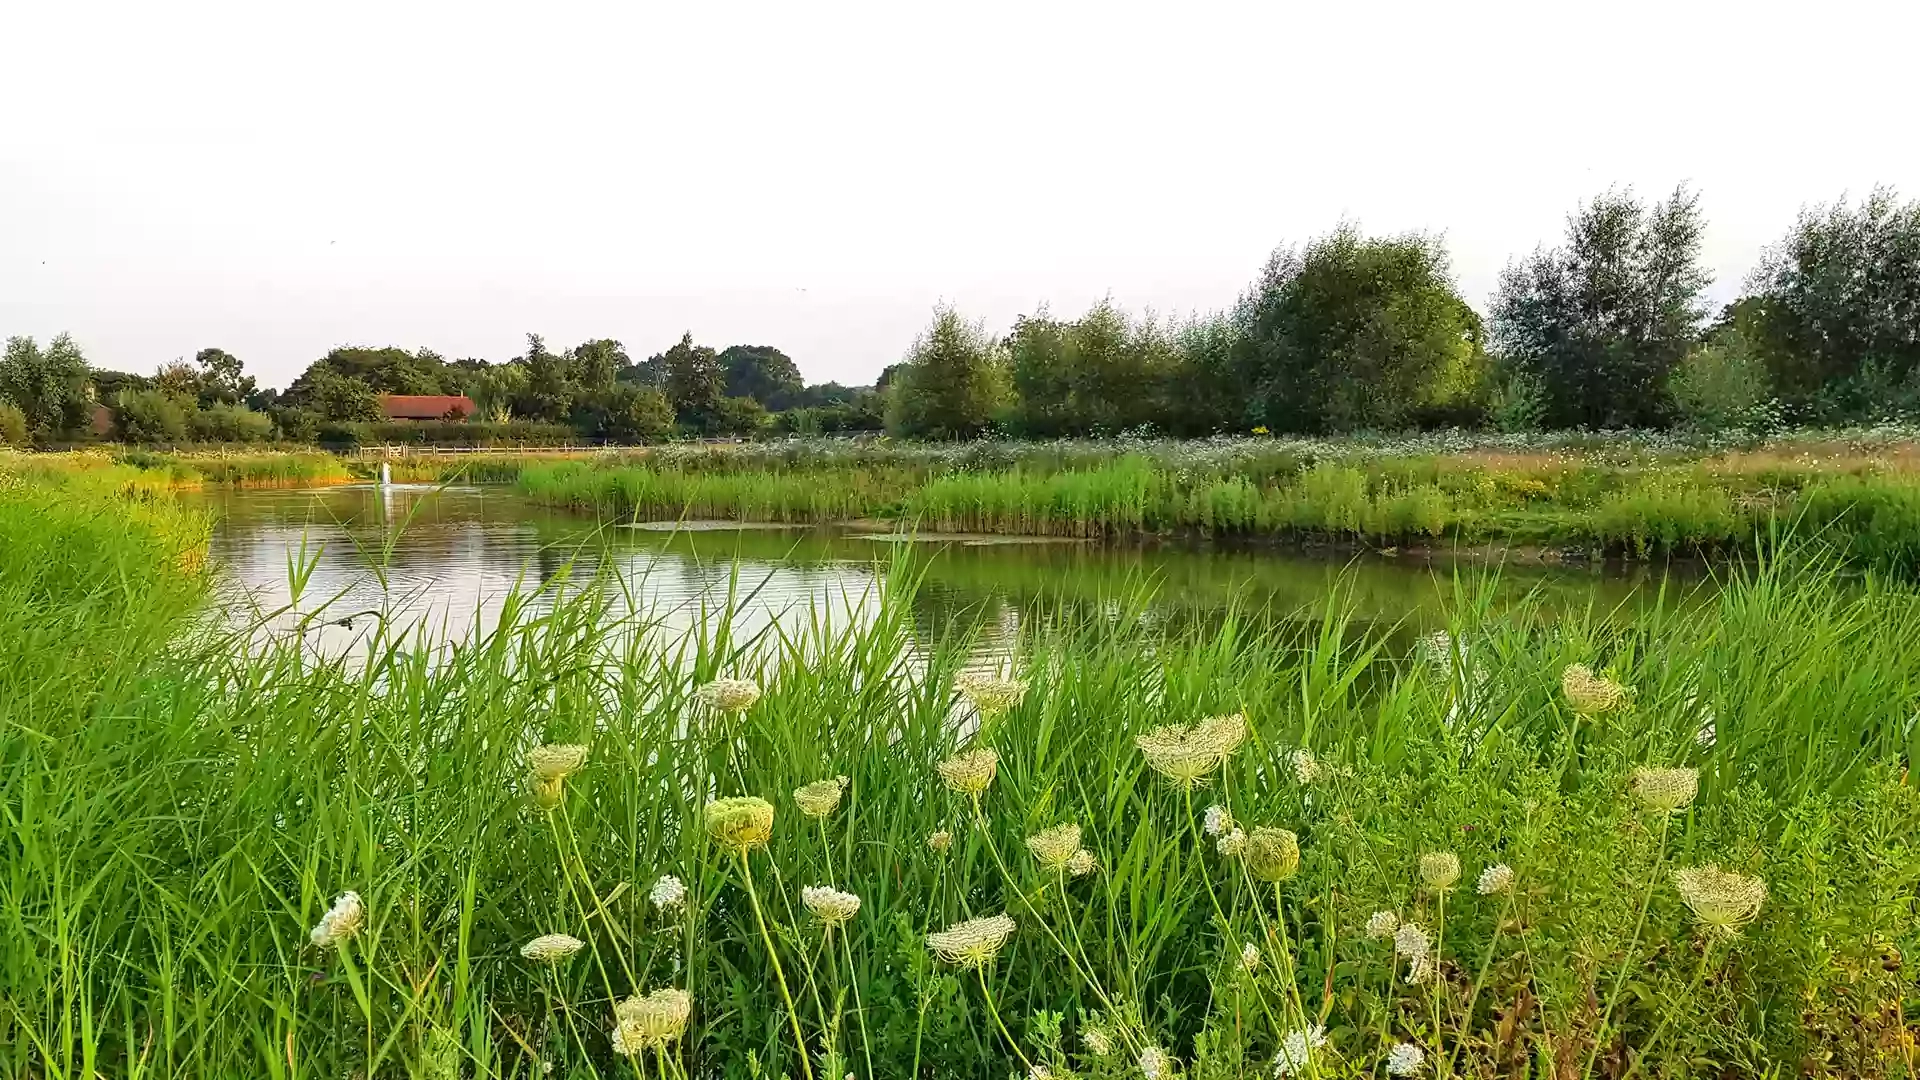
1676, 841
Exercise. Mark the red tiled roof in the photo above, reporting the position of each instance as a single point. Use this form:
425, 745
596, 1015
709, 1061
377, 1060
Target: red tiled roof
425, 406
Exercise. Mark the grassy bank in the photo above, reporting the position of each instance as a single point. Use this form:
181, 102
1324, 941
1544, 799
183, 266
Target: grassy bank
1865, 502
181, 807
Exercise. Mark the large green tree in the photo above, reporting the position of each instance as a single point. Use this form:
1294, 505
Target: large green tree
952, 383
223, 379
1602, 321
1100, 373
48, 386
599, 363
1355, 332
1835, 307
387, 370
695, 382
763, 373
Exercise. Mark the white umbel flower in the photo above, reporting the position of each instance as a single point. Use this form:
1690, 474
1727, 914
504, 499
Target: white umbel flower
1250, 957
1495, 880
1382, 924
1217, 820
550, 948
1405, 1059
1155, 1064
1296, 1050
668, 893
1306, 767
831, 906
1411, 942
341, 921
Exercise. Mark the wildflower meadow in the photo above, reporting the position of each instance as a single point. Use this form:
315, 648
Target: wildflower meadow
1676, 841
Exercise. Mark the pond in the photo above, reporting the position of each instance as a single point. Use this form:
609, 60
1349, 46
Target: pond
444, 560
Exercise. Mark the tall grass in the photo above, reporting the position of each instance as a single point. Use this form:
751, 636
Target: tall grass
182, 803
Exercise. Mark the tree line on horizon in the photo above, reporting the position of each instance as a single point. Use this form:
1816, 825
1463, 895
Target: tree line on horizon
1608, 329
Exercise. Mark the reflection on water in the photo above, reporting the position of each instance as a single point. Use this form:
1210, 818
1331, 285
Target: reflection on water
445, 560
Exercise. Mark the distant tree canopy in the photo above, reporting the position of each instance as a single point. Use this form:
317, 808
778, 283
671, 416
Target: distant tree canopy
694, 381
1834, 309
763, 373
1353, 332
48, 386
952, 383
1603, 321
1100, 373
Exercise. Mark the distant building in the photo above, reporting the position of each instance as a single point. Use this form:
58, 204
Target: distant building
100, 420
427, 406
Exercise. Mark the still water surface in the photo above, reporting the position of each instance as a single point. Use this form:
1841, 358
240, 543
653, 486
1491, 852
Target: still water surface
443, 561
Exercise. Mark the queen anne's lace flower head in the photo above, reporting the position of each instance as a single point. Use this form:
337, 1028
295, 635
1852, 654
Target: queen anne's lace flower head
1296, 1050
742, 822
644, 1023
1217, 820
1411, 942
1055, 847
970, 773
1097, 1041
1273, 854
1250, 957
939, 840
829, 905
1495, 880
1723, 901
1306, 767
1405, 1059
820, 798
729, 695
1188, 754
990, 695
1155, 1064
556, 761
1382, 924
549, 948
973, 943
1233, 845
1664, 791
668, 893
340, 922
1590, 694
1082, 863
1439, 869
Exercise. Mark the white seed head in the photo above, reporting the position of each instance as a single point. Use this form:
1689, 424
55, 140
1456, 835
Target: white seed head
831, 906
820, 798
1664, 791
1439, 869
1495, 880
1590, 694
970, 773
729, 695
1187, 754
1082, 863
973, 943
990, 695
1054, 848
1411, 942
1233, 845
939, 841
1217, 820
1306, 767
668, 893
1382, 924
1097, 1042
1722, 901
1405, 1059
550, 948
643, 1023
340, 922
1296, 1050
556, 761
1250, 957
1155, 1064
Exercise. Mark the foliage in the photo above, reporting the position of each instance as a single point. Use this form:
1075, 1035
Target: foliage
626, 413
1722, 383
763, 373
952, 383
149, 416
1838, 300
178, 783
13, 424
737, 416
694, 381
1604, 320
456, 433
48, 386
1355, 332
1099, 374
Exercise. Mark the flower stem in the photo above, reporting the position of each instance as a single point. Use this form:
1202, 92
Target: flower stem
995, 1012
793, 1014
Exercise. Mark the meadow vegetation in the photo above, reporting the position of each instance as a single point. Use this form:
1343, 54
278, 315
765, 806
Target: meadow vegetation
1672, 842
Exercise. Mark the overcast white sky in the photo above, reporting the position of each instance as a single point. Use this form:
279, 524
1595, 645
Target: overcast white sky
276, 179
